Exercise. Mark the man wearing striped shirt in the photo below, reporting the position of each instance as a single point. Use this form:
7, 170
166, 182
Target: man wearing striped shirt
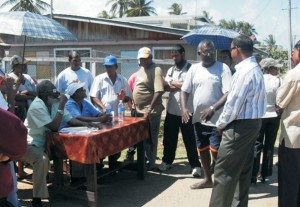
239, 122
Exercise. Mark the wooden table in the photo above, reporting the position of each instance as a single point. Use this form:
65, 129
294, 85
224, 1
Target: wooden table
90, 148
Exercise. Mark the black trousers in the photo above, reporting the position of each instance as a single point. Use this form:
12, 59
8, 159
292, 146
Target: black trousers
171, 129
288, 176
5, 203
265, 143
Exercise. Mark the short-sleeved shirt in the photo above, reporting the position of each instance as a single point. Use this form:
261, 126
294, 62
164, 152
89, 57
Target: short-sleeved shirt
37, 117
207, 86
68, 76
177, 74
148, 82
272, 83
106, 91
29, 84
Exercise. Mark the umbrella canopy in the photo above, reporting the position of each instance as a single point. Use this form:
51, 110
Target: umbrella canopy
33, 25
221, 37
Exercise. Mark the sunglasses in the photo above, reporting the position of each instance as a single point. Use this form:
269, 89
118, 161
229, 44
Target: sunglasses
207, 53
233, 48
53, 92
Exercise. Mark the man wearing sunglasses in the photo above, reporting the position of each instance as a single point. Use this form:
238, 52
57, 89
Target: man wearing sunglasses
44, 114
208, 83
240, 122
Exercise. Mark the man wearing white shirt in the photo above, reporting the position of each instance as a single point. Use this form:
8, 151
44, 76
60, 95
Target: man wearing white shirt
74, 73
240, 122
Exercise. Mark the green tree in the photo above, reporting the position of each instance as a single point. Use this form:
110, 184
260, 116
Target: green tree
207, 16
104, 14
270, 42
138, 8
176, 9
36, 6
241, 27
118, 6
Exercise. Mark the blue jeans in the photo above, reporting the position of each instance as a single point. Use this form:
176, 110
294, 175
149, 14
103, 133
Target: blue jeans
13, 197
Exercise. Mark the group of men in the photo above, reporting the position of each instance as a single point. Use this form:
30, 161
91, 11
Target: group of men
218, 114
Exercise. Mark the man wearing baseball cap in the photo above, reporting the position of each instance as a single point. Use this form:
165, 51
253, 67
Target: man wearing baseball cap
270, 123
110, 87
147, 97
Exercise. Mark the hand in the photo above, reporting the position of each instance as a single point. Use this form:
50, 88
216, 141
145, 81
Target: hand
121, 95
62, 101
185, 115
9, 83
3, 157
21, 79
206, 114
220, 131
147, 114
104, 118
278, 110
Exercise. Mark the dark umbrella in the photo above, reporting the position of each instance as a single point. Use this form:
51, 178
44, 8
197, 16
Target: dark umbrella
221, 37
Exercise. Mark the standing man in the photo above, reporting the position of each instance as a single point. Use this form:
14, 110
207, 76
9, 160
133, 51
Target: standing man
110, 87
175, 77
74, 73
208, 83
240, 122
288, 100
147, 97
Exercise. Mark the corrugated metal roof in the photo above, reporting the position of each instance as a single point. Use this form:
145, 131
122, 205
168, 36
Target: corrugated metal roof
132, 25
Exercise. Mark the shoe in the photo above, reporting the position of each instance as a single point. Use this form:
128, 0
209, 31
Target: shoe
253, 180
129, 157
36, 202
261, 178
164, 166
196, 172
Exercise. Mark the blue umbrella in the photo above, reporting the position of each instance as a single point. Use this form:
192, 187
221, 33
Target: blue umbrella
32, 25
221, 37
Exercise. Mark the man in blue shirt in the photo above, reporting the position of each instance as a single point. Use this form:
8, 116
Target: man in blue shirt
240, 122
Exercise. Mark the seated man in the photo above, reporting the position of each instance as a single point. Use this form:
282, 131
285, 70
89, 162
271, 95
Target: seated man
80, 108
45, 114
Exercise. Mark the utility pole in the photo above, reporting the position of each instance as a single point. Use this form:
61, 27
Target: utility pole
290, 34
51, 13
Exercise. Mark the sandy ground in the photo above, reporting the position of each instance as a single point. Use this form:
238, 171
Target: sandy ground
158, 189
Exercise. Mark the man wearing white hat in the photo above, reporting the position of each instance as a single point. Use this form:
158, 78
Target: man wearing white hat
147, 97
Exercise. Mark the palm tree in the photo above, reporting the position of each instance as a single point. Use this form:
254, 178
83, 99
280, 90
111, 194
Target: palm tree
36, 6
240, 27
176, 9
206, 15
140, 8
118, 6
104, 14
270, 41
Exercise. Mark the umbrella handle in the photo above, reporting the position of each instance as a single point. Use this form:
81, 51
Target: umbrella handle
23, 56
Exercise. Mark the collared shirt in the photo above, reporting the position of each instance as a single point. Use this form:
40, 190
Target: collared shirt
106, 91
68, 76
207, 86
288, 98
88, 110
37, 117
177, 74
272, 83
148, 82
247, 96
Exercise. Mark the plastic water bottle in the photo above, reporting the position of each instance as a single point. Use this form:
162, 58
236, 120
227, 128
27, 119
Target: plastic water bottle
108, 108
121, 111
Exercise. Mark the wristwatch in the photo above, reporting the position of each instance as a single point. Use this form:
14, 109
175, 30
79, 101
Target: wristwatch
212, 108
60, 111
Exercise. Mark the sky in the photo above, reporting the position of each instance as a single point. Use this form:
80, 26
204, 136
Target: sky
267, 16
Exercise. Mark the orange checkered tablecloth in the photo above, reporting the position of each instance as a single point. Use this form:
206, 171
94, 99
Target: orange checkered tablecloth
90, 148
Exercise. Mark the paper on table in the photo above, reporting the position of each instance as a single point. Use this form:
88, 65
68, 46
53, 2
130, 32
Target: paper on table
78, 130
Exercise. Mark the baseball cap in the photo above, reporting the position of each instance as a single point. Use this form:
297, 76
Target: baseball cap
73, 87
15, 60
269, 62
110, 60
144, 52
